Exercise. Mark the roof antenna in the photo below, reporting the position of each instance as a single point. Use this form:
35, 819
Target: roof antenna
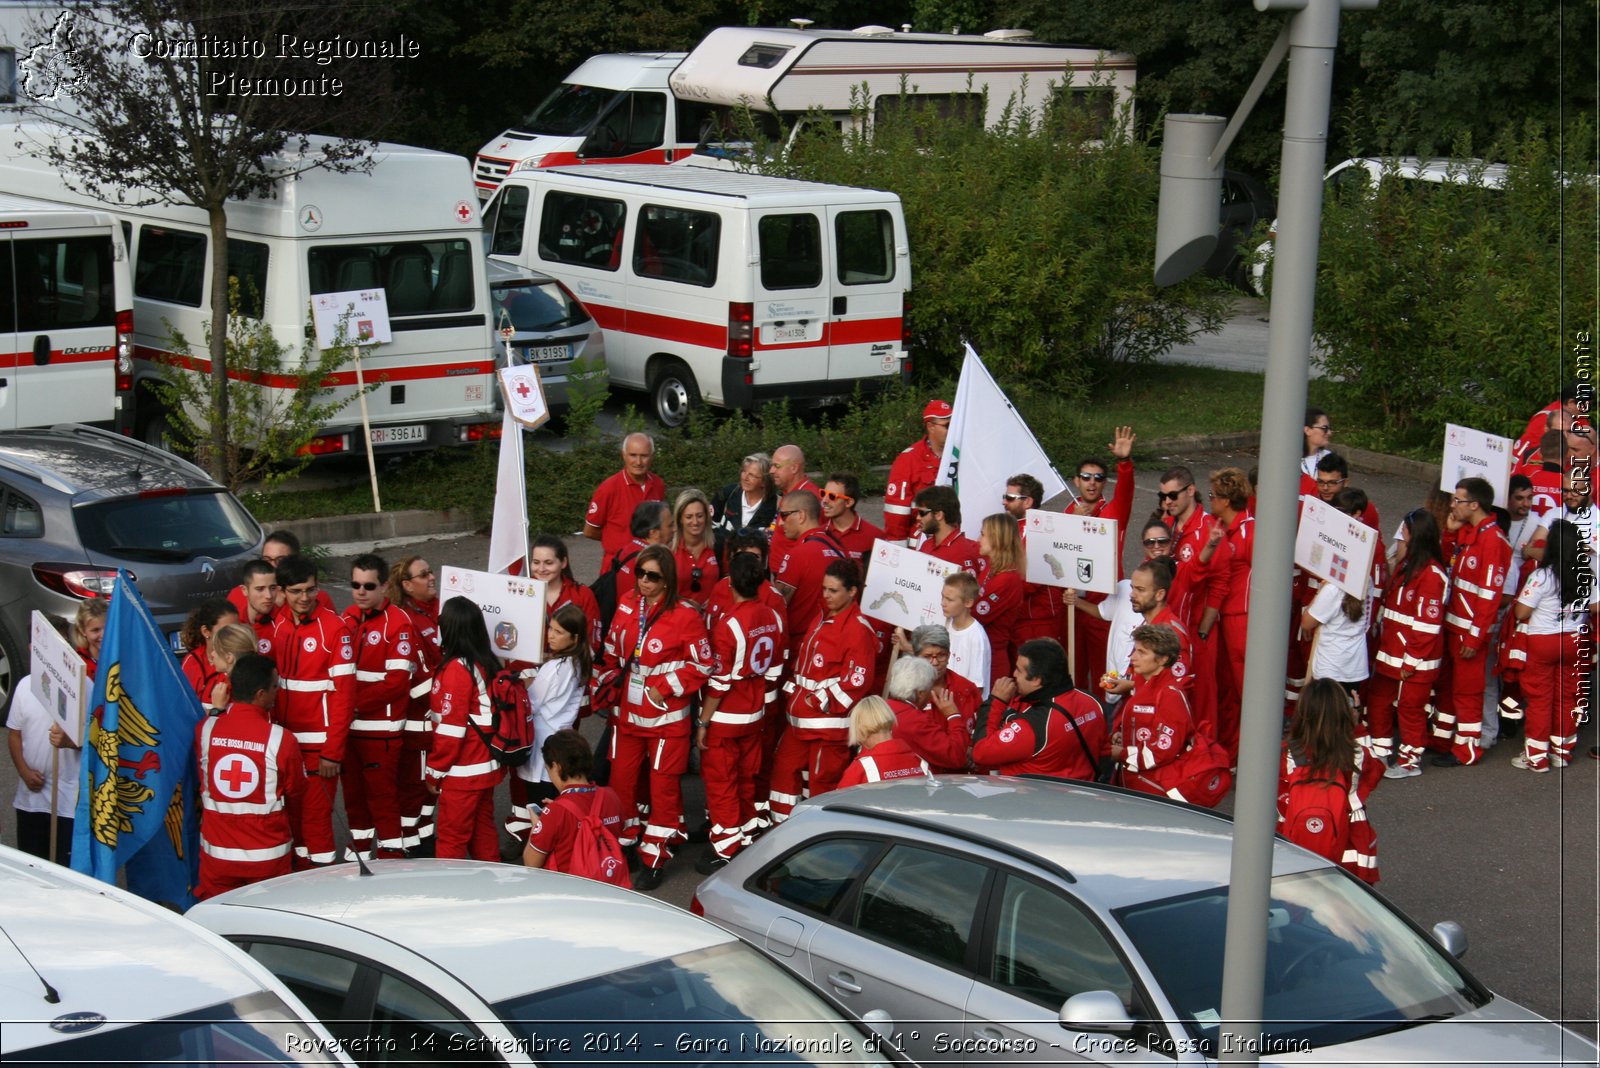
361, 862
50, 995
801, 24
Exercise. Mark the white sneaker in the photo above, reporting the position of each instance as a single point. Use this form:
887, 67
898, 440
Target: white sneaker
1403, 771
1521, 761
1559, 762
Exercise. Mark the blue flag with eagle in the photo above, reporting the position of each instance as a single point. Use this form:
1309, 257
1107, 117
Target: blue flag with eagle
136, 804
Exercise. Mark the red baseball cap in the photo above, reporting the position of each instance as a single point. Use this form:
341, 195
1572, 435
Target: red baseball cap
937, 409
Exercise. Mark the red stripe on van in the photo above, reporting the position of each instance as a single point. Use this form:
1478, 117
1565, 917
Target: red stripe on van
666, 327
338, 378
24, 360
844, 332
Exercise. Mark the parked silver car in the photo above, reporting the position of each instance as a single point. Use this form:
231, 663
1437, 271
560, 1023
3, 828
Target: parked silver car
1001, 919
78, 503
550, 330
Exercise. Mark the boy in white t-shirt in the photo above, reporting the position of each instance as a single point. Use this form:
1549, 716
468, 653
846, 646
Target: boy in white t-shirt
31, 753
969, 643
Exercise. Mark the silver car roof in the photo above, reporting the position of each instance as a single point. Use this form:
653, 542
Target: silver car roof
85, 463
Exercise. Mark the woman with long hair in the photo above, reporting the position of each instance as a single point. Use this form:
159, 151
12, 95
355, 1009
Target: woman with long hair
228, 643
461, 770
1000, 590
555, 694
1324, 780
692, 545
205, 620
1410, 647
1555, 605
547, 562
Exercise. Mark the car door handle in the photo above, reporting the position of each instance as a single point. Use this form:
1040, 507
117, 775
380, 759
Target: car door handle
41, 350
844, 981
840, 304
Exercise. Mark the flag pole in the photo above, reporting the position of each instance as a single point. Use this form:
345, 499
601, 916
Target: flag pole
55, 786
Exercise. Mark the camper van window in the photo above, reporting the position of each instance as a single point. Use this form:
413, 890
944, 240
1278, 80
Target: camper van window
865, 246
64, 282
508, 219
247, 265
8, 75
171, 266
569, 111
928, 110
582, 230
764, 56
417, 277
1091, 108
636, 123
677, 244
791, 251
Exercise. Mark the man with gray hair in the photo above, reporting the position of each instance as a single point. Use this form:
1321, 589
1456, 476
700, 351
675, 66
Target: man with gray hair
927, 720
616, 498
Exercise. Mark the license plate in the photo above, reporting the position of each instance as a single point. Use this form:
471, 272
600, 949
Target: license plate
798, 332
397, 435
546, 353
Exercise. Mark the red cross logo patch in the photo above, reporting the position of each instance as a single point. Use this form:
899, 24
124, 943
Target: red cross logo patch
234, 776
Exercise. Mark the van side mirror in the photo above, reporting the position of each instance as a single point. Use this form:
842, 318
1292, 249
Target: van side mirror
1096, 1010
1452, 938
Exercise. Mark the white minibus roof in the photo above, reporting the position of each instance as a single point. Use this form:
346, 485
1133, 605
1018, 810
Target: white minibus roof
757, 190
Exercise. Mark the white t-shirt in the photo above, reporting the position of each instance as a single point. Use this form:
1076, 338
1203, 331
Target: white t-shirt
1117, 609
554, 694
32, 720
969, 654
1341, 642
1550, 616
747, 511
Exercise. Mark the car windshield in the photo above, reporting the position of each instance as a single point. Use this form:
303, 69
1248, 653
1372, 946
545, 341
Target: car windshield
1341, 965
256, 1029
167, 526
569, 111
726, 1004
533, 307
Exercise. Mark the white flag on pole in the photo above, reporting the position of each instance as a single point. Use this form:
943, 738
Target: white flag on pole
508, 530
987, 444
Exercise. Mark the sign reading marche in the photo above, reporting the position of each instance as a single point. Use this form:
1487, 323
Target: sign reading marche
1470, 453
512, 607
1335, 547
905, 587
363, 313
59, 679
1077, 551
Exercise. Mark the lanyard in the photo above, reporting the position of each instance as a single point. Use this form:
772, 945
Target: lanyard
644, 628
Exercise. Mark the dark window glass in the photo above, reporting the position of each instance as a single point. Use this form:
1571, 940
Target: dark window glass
763, 56
928, 110
247, 267
1046, 949
411, 1026
417, 277
677, 244
176, 528
510, 219
923, 902
64, 282
582, 230
171, 266
816, 877
321, 980
865, 246
569, 111
19, 517
8, 306
791, 251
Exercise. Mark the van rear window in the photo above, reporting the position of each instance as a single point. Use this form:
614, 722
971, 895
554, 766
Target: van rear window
582, 230
677, 244
417, 277
64, 282
171, 265
166, 528
247, 265
864, 245
791, 251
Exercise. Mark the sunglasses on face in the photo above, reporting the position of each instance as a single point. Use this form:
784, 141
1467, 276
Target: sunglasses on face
420, 575
1172, 495
1091, 476
786, 515
829, 495
1152, 542
1015, 497
1326, 428
649, 576
368, 586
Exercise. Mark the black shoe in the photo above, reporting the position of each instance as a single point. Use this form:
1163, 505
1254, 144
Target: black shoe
701, 833
710, 863
1445, 760
632, 855
646, 879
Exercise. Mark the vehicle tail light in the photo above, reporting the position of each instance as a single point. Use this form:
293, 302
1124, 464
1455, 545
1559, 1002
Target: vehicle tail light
480, 432
741, 329
124, 351
76, 580
174, 491
695, 907
905, 318
324, 446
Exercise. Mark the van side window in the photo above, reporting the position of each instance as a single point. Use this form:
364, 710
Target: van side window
64, 282
925, 111
864, 244
171, 266
582, 230
636, 123
8, 75
417, 277
247, 266
791, 251
510, 219
677, 244
8, 307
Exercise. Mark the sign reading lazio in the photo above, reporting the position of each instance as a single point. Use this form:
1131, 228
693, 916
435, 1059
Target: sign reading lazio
512, 607
524, 395
1076, 551
1335, 547
363, 314
905, 587
1470, 453
59, 679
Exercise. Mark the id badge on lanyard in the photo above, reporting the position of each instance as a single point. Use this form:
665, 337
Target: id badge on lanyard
636, 675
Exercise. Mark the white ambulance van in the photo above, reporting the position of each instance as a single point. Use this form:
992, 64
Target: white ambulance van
732, 288
410, 227
66, 315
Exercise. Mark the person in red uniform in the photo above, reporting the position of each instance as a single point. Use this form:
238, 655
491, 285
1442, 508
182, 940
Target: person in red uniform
931, 642
1197, 590
747, 651
1575, 403
695, 549
548, 563
611, 508
914, 470
252, 778
1556, 607
1091, 631
1156, 740
315, 653
651, 525
938, 514
799, 576
1480, 558
570, 761
656, 659
1043, 615
461, 772
278, 547
884, 756
1036, 722
414, 587
1410, 648
788, 476
1149, 585
207, 618
386, 667
832, 671
1230, 499
1000, 590
1324, 780
855, 535
927, 720
1545, 474
260, 596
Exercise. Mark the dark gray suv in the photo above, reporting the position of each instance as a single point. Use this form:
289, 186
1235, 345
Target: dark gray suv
77, 503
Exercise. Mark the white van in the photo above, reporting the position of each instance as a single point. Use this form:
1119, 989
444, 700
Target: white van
410, 227
66, 315
711, 284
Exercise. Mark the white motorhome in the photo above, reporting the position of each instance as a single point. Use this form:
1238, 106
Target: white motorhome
736, 288
410, 227
791, 72
66, 315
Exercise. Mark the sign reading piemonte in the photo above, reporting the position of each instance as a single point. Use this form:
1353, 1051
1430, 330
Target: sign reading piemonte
1335, 547
58, 676
1470, 453
524, 393
1076, 551
512, 607
905, 587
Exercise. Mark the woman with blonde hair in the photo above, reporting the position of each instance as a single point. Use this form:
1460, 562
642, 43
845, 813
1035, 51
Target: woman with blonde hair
694, 549
228, 643
882, 756
1000, 590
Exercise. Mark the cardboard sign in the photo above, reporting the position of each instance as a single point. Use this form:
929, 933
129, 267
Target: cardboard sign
59, 678
512, 607
363, 313
1077, 551
1335, 547
1470, 453
524, 393
905, 587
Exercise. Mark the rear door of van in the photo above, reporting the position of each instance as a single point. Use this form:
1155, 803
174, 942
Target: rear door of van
869, 272
790, 314
60, 332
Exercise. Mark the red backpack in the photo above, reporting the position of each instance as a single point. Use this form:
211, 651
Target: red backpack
596, 853
510, 735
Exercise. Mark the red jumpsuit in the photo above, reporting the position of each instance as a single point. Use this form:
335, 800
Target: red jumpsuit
1033, 736
889, 759
1235, 624
386, 667
914, 470
802, 569
611, 508
1560, 647
668, 650
1410, 654
1197, 587
462, 766
1090, 631
999, 609
956, 548
202, 676
1326, 812
316, 694
1477, 579
831, 673
1157, 729
940, 740
416, 804
747, 649
252, 778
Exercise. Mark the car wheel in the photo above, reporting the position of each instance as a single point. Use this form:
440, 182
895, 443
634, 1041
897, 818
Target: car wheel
156, 430
11, 669
673, 393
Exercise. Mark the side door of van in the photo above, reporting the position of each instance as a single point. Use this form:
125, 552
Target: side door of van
869, 274
10, 354
791, 313
65, 341
682, 268
579, 238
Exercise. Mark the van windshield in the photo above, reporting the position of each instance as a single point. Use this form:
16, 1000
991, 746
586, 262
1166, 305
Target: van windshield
569, 111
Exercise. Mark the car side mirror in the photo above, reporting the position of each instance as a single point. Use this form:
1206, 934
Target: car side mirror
1096, 1010
879, 1022
1452, 938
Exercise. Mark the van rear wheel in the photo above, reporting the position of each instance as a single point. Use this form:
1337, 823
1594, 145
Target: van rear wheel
673, 393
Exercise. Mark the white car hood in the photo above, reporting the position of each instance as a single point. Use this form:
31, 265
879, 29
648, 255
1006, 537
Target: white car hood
1501, 1033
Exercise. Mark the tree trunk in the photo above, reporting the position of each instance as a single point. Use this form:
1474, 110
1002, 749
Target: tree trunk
219, 341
